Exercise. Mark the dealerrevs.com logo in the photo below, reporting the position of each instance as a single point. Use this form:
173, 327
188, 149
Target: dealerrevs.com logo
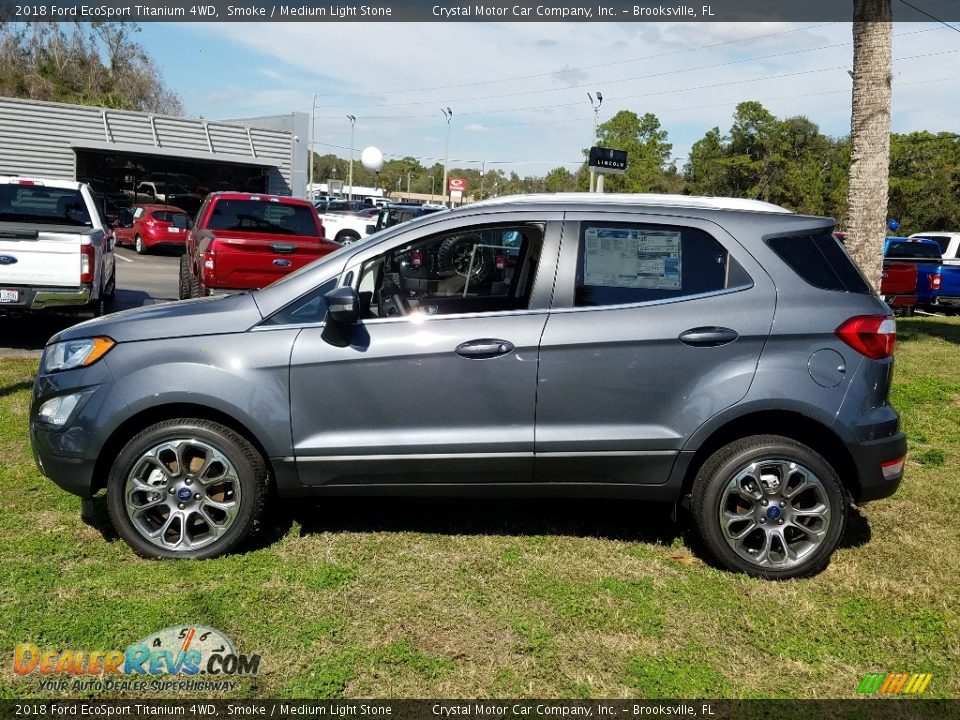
189, 650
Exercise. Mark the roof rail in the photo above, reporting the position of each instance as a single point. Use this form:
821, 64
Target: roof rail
655, 199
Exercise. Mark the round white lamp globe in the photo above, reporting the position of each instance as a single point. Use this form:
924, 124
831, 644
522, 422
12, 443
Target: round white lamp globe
372, 159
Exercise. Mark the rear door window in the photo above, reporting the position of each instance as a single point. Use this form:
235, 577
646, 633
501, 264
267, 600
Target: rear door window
622, 263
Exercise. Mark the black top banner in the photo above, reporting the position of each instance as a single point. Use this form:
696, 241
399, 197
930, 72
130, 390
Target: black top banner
441, 11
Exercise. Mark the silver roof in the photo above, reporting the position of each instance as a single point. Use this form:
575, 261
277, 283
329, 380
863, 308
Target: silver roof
646, 199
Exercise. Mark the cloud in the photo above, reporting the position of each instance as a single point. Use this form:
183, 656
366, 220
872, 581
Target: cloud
570, 76
512, 103
272, 74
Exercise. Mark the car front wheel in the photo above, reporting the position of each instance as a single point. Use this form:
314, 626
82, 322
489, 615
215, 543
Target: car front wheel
770, 507
186, 488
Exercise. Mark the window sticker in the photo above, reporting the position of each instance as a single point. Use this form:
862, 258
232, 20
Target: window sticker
632, 258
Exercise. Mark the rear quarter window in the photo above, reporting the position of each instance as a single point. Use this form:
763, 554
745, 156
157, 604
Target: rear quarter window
821, 261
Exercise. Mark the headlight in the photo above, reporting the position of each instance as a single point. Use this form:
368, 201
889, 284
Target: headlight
75, 353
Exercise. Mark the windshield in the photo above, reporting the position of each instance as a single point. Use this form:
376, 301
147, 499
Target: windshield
43, 205
263, 217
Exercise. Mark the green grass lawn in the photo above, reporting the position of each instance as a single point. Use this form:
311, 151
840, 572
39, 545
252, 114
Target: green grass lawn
415, 598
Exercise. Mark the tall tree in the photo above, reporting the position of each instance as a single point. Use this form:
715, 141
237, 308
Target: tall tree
85, 63
648, 152
870, 135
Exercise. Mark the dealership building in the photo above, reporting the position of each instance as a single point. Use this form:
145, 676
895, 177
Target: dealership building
124, 154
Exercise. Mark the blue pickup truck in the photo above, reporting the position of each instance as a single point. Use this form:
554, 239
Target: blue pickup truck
938, 284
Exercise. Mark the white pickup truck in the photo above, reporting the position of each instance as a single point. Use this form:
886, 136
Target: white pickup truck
347, 227
949, 243
56, 251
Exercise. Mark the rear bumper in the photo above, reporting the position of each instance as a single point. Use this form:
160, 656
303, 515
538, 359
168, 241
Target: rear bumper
947, 301
895, 301
43, 298
870, 456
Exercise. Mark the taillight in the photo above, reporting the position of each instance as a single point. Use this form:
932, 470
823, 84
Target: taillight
501, 262
935, 280
870, 335
209, 267
88, 263
416, 258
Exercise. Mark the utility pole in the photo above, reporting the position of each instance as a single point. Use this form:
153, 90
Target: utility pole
483, 169
448, 114
313, 111
353, 122
593, 138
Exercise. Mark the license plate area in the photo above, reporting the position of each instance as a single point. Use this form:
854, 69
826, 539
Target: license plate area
9, 296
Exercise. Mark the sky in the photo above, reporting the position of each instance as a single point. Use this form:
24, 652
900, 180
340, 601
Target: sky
518, 91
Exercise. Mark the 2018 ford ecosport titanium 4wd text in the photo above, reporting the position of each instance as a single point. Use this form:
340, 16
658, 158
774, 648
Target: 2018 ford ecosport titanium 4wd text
722, 354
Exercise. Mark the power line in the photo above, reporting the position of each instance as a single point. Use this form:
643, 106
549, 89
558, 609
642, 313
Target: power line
671, 91
932, 17
551, 74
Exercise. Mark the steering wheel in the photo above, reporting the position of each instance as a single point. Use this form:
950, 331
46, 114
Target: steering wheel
397, 298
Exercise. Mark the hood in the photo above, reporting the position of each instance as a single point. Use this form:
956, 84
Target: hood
203, 316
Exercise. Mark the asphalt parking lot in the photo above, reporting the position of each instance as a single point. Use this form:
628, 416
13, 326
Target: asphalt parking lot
141, 280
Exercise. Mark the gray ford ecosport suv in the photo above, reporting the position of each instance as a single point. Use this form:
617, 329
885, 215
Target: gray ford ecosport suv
722, 354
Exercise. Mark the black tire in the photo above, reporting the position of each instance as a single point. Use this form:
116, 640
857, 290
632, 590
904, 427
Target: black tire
139, 246
345, 237
453, 256
251, 478
111, 288
184, 289
711, 488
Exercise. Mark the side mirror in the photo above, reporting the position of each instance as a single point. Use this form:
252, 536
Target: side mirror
343, 305
371, 229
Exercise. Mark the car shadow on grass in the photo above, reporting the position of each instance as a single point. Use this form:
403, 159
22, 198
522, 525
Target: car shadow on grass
620, 520
607, 519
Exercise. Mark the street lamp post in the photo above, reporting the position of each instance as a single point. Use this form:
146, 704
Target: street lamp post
593, 138
353, 122
448, 114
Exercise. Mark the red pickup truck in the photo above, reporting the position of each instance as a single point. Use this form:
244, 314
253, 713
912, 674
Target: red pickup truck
244, 241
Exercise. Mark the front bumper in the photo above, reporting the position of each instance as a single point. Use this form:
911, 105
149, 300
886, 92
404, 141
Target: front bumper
68, 454
869, 456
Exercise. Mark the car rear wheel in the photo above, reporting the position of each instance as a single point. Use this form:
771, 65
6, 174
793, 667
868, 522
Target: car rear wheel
139, 245
770, 507
186, 488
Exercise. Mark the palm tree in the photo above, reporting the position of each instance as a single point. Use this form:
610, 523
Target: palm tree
870, 135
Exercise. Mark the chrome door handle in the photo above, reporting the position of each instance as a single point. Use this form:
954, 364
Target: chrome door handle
708, 336
482, 349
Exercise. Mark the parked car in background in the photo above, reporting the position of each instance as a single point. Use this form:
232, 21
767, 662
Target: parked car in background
245, 241
397, 213
147, 227
721, 355
924, 255
158, 191
56, 251
340, 206
949, 243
